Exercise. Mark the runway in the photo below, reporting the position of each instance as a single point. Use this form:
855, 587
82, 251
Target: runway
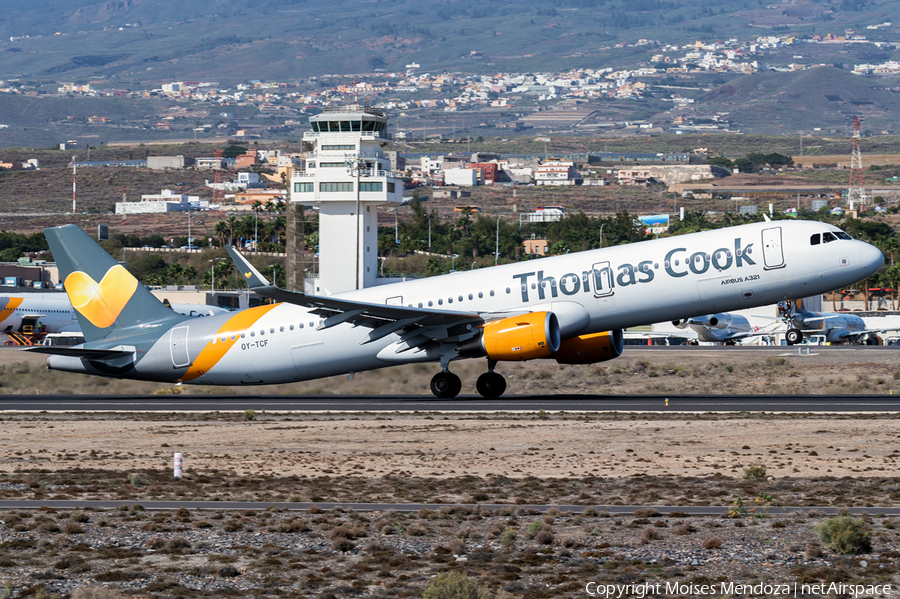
422, 403
619, 510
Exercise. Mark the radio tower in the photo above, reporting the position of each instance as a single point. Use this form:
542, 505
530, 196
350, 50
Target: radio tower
856, 193
218, 196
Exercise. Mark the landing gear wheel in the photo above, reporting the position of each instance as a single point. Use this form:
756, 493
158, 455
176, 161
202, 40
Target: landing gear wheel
446, 385
491, 385
793, 336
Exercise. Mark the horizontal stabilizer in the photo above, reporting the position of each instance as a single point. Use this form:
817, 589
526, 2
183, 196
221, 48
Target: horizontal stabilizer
78, 352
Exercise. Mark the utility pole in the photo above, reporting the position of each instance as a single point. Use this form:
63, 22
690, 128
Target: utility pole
74, 167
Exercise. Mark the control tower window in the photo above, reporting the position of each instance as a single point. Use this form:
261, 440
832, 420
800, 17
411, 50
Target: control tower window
345, 126
368, 125
357, 125
315, 127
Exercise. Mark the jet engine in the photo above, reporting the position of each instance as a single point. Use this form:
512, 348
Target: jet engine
720, 321
517, 338
681, 324
590, 349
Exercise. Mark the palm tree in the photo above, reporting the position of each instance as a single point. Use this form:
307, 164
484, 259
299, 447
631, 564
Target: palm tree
174, 271
221, 229
232, 223
189, 273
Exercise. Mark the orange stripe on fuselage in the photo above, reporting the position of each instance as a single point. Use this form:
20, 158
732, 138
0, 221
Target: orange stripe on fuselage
11, 305
213, 352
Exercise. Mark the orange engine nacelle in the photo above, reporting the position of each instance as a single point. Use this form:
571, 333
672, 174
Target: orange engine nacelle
590, 349
525, 337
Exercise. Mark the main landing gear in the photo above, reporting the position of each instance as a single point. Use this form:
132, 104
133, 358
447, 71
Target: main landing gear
490, 385
446, 385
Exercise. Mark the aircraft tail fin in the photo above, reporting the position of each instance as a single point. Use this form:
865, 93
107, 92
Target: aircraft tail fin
106, 297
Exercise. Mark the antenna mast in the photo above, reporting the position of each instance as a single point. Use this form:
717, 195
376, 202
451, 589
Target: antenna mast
856, 192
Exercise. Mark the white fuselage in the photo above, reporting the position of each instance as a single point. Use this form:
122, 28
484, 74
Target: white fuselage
593, 291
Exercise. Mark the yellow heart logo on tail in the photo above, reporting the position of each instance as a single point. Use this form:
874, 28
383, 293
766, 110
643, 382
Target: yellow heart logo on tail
247, 274
101, 303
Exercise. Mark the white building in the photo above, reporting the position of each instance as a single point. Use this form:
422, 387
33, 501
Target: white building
161, 202
555, 172
461, 176
347, 177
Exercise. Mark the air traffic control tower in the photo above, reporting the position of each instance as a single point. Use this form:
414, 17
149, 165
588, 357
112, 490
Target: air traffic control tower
347, 177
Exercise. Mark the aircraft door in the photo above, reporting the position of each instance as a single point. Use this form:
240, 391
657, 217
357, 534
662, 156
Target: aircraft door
397, 300
178, 344
773, 256
602, 279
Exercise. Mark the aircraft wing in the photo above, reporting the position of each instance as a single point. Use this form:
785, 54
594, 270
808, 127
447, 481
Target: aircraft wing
337, 311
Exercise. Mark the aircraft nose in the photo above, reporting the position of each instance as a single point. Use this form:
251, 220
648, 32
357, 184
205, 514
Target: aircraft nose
870, 258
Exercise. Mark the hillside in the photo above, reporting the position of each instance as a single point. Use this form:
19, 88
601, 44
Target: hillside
140, 40
824, 97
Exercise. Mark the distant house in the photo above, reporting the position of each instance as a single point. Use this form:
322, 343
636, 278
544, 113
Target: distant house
99, 119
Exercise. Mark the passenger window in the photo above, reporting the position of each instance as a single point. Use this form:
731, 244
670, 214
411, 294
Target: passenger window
301, 325
507, 289
826, 237
449, 300
440, 302
281, 329
461, 297
480, 295
292, 327
252, 334
430, 303
420, 304
272, 330
815, 239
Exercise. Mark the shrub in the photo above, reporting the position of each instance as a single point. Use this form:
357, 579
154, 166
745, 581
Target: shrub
134, 478
249, 415
845, 535
544, 536
533, 529
343, 545
649, 534
508, 537
228, 571
97, 592
712, 543
647, 512
453, 585
72, 528
757, 472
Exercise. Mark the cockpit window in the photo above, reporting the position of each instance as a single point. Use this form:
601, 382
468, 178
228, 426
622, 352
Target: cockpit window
828, 236
816, 239
842, 235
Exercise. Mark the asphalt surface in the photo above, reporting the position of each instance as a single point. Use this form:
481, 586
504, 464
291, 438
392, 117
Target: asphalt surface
664, 510
474, 403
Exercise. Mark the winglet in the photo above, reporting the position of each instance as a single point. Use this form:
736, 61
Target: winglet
253, 277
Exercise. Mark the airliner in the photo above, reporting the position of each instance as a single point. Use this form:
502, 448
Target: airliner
54, 312
837, 327
569, 308
723, 327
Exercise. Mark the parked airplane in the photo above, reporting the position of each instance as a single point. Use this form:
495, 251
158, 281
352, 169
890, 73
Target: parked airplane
571, 308
723, 327
837, 327
54, 312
